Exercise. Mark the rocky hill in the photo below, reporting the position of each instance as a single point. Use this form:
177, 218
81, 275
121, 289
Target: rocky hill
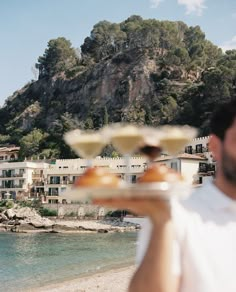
142, 71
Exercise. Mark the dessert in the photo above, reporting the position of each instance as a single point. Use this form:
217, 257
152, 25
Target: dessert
97, 177
160, 173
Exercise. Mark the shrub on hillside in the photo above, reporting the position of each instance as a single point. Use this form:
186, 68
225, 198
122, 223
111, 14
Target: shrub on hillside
47, 212
9, 204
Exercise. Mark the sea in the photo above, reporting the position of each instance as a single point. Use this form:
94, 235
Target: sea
33, 260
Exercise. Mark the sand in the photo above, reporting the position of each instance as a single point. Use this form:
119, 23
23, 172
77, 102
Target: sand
115, 280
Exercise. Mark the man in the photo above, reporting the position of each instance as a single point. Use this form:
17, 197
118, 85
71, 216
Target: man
192, 248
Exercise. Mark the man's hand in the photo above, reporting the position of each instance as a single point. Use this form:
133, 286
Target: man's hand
156, 209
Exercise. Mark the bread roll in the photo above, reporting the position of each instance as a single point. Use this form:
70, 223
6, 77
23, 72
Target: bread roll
159, 173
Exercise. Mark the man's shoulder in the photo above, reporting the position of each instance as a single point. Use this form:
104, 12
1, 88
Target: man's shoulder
199, 199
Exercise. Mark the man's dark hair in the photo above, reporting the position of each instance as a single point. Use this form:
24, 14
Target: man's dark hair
223, 118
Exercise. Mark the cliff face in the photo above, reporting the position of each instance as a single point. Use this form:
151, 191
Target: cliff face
123, 84
140, 71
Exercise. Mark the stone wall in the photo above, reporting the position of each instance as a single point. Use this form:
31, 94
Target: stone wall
78, 210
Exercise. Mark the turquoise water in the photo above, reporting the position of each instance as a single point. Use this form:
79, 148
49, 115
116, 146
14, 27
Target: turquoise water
33, 260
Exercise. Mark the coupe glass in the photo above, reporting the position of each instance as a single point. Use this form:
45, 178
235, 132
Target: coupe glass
86, 144
151, 143
126, 139
174, 138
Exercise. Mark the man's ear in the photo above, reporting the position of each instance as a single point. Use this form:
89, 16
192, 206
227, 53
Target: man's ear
215, 147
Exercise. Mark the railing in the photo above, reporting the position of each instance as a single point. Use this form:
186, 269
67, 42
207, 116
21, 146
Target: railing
12, 187
53, 183
36, 175
38, 184
194, 151
12, 175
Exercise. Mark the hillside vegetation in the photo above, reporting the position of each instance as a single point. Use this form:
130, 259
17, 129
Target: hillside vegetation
142, 71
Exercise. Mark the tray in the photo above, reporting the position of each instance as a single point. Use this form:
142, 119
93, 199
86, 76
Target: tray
161, 190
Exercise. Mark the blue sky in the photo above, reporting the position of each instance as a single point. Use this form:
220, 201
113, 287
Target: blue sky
26, 26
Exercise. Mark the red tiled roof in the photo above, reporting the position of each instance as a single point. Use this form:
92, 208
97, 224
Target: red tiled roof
192, 156
9, 149
182, 156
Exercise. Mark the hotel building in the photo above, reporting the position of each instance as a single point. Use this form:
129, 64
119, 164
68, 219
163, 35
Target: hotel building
50, 180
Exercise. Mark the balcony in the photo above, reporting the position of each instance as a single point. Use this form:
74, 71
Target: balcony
55, 194
206, 169
12, 187
36, 176
39, 184
199, 151
12, 175
53, 183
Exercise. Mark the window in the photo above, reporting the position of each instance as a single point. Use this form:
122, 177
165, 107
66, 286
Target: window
189, 149
55, 180
21, 182
174, 165
133, 179
52, 201
21, 172
199, 148
74, 178
211, 167
12, 157
8, 183
202, 167
53, 192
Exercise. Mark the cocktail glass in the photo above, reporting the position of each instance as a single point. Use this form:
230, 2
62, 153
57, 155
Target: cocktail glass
151, 143
126, 139
86, 144
173, 139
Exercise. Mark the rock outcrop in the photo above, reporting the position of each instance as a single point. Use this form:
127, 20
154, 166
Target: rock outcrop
19, 219
25, 219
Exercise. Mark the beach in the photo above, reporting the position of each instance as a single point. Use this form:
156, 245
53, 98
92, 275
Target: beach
115, 280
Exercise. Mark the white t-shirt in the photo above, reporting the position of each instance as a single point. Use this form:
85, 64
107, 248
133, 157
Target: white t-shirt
204, 251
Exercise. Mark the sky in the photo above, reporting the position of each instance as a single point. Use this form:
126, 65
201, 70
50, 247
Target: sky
26, 26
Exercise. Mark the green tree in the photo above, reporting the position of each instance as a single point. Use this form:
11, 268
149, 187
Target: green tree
57, 130
88, 123
57, 58
106, 39
4, 139
30, 144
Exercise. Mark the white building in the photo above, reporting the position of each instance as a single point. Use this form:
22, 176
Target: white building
9, 153
33, 179
186, 164
61, 175
21, 178
199, 146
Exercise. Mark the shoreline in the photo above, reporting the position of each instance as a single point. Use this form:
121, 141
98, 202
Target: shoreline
69, 226
115, 279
